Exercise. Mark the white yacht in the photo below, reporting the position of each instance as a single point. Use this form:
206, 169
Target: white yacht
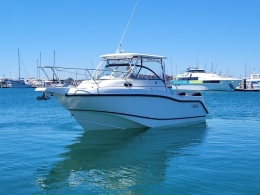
251, 83
128, 93
254, 77
254, 81
197, 79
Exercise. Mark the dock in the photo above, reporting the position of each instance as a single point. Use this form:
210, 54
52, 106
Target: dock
247, 90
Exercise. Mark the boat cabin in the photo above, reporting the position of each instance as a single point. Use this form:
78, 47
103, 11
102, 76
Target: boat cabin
130, 70
195, 70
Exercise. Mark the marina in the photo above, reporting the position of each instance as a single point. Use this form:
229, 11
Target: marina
47, 152
247, 90
79, 115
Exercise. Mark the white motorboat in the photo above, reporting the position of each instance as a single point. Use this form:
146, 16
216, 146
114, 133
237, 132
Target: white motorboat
128, 93
197, 79
253, 82
5, 82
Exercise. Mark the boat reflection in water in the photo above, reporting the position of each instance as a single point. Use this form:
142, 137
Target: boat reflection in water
120, 161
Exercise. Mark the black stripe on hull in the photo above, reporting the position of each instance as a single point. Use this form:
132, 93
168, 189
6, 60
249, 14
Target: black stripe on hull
144, 117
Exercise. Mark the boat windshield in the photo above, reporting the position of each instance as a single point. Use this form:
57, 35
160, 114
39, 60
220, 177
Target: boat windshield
196, 71
115, 71
255, 76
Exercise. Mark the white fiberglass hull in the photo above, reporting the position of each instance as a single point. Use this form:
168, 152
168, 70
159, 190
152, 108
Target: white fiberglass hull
88, 120
223, 86
140, 109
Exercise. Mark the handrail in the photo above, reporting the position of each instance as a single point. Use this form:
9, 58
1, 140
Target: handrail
47, 76
92, 78
124, 75
149, 83
81, 90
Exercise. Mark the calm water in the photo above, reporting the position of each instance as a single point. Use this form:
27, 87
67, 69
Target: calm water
44, 151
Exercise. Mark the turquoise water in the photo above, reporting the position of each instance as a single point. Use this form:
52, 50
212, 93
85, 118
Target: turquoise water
44, 151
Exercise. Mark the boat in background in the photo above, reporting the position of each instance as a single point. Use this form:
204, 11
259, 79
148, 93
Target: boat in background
197, 79
128, 93
5, 82
36, 82
250, 84
253, 82
19, 82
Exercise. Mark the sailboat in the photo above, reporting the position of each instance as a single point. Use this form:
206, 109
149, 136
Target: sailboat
19, 83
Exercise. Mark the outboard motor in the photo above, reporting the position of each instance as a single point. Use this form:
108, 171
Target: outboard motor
43, 97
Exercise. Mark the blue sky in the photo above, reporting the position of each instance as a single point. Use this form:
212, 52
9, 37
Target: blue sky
223, 35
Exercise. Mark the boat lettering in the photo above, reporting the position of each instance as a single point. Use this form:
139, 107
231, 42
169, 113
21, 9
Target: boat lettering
194, 105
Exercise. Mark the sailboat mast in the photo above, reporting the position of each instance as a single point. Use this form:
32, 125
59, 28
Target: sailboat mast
40, 64
53, 64
19, 63
37, 70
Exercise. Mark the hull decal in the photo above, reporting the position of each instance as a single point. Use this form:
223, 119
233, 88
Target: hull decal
132, 115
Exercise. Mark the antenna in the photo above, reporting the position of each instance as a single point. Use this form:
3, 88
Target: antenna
215, 68
245, 69
117, 51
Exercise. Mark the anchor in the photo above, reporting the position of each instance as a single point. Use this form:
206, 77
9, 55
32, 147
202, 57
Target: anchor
43, 97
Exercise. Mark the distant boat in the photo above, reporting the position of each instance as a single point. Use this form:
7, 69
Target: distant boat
5, 83
251, 83
197, 79
20, 82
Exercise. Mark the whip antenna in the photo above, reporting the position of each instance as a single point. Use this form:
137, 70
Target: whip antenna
117, 51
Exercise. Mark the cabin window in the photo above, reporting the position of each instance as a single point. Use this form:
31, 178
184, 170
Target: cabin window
196, 71
188, 78
211, 81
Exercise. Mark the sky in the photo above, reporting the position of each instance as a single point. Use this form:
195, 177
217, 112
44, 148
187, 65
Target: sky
222, 36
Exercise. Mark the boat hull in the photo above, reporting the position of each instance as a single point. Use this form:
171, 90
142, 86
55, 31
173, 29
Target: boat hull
101, 121
22, 86
222, 86
113, 111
